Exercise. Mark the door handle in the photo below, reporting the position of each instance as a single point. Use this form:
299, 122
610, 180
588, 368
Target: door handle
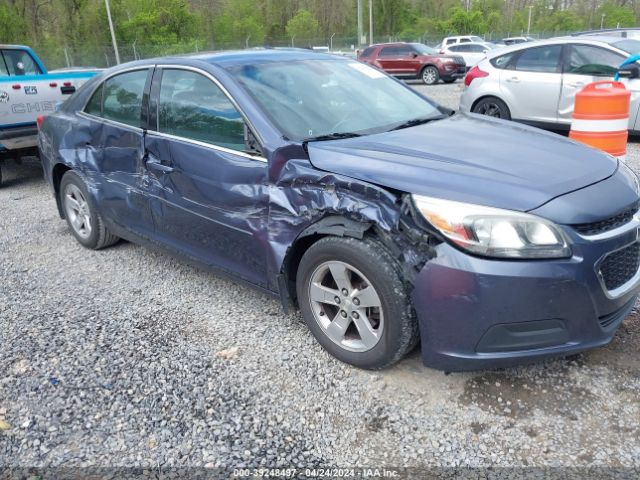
158, 167
513, 80
576, 84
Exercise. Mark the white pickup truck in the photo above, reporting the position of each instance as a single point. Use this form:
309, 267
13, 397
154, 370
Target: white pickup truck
28, 90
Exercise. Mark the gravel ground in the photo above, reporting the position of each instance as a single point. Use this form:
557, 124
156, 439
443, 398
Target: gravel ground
127, 357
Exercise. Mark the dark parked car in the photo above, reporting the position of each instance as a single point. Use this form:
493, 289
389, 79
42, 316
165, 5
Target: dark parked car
325, 182
414, 60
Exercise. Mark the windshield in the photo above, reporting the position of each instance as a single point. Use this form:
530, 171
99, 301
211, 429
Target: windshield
423, 49
629, 46
312, 98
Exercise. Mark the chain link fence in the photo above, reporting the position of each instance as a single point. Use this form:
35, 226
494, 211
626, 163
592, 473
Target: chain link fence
55, 57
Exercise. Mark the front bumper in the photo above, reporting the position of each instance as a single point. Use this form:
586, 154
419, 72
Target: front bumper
450, 71
477, 313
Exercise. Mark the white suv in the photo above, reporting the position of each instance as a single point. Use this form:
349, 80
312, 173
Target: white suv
449, 41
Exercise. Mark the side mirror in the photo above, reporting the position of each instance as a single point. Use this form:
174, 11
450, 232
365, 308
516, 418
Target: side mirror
414, 55
485, 51
629, 71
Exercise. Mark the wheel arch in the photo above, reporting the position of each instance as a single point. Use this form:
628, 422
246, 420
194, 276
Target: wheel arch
331, 225
490, 95
57, 173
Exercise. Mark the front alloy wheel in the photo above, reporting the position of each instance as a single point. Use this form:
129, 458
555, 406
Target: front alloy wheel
430, 75
355, 302
346, 306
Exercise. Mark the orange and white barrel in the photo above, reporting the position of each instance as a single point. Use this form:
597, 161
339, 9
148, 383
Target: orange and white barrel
601, 117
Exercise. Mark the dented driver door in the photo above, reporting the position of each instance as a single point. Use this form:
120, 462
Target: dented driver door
211, 202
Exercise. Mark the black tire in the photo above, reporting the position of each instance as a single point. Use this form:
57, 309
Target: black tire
400, 332
98, 237
449, 80
492, 107
430, 75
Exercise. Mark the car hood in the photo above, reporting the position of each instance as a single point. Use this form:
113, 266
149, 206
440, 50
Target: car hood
469, 158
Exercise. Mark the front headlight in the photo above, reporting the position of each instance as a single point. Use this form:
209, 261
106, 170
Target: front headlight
494, 232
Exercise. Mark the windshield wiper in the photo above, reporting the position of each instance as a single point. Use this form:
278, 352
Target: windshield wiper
417, 121
332, 136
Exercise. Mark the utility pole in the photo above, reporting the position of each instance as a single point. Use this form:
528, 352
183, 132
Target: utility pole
602, 21
370, 22
529, 22
113, 34
359, 42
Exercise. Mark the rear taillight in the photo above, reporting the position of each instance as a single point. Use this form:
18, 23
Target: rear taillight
39, 120
474, 73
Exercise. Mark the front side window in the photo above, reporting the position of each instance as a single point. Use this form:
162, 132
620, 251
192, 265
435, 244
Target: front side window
194, 107
311, 98
590, 60
423, 49
123, 97
465, 40
540, 59
19, 62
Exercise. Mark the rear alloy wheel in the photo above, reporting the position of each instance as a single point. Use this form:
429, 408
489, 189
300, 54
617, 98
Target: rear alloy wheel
430, 75
82, 217
358, 310
492, 107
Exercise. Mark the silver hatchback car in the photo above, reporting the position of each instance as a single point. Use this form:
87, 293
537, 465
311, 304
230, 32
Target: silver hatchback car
536, 82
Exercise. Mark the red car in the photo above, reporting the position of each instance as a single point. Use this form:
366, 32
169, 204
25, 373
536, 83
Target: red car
414, 60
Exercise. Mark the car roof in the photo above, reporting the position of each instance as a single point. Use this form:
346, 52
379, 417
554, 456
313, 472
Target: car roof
236, 57
14, 47
605, 31
386, 44
595, 40
484, 44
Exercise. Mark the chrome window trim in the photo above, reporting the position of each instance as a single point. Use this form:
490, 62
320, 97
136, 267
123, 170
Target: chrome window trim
90, 116
227, 94
211, 146
110, 122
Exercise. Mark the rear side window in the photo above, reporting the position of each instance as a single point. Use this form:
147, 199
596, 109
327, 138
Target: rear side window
465, 40
194, 107
502, 61
94, 107
590, 60
389, 52
476, 48
540, 59
123, 97
19, 62
451, 41
367, 52
3, 67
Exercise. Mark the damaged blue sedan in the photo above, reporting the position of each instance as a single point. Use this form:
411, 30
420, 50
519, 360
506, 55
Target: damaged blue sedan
388, 221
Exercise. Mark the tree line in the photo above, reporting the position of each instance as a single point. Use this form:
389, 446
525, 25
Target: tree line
195, 24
